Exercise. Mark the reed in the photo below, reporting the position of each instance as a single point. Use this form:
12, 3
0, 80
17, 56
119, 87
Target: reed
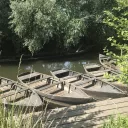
10, 118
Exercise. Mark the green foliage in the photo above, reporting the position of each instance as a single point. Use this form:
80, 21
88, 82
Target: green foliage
119, 122
4, 14
65, 21
117, 20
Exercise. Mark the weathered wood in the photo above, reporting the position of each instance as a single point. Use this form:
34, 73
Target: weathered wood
34, 74
53, 88
60, 71
66, 118
69, 77
12, 92
91, 115
10, 83
93, 66
41, 79
47, 86
4, 89
94, 87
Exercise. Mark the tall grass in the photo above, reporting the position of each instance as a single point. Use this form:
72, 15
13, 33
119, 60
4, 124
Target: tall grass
117, 122
10, 118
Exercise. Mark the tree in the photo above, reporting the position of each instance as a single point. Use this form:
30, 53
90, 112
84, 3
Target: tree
117, 20
65, 21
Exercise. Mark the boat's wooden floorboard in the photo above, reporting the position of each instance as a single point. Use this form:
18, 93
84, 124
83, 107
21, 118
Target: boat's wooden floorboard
39, 83
4, 89
91, 115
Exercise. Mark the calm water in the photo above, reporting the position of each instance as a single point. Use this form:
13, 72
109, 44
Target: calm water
9, 70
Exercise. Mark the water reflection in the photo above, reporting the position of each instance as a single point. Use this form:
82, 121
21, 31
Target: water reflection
10, 70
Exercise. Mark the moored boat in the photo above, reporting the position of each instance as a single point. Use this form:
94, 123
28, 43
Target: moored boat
14, 94
94, 87
108, 62
99, 71
48, 87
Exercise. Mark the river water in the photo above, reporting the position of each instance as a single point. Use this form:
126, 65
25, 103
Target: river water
10, 70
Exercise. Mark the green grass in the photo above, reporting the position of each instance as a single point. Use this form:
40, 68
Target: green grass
18, 118
118, 122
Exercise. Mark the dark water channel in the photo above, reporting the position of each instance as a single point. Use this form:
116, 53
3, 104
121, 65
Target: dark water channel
10, 70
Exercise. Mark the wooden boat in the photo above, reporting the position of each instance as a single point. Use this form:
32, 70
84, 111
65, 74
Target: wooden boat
94, 87
48, 87
99, 71
108, 62
14, 94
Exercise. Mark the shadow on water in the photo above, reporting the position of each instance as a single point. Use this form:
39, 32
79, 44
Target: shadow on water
9, 70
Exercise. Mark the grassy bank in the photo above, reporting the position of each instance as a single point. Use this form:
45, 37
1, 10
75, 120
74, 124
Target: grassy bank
117, 122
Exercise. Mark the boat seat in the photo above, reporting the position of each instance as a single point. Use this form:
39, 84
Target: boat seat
99, 73
60, 71
40, 79
69, 77
34, 74
92, 66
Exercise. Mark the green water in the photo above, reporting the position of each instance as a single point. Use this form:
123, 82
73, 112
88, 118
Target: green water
10, 70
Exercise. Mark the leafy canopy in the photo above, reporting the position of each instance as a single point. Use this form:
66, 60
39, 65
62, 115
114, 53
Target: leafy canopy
117, 19
65, 21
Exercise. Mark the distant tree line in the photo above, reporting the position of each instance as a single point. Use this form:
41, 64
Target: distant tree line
54, 25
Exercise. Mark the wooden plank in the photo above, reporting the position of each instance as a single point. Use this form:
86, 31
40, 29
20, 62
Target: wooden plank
69, 77
39, 80
51, 90
4, 89
70, 114
45, 87
60, 71
98, 74
61, 93
81, 82
12, 92
6, 84
34, 85
89, 116
92, 105
92, 66
15, 97
94, 123
34, 74
86, 85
